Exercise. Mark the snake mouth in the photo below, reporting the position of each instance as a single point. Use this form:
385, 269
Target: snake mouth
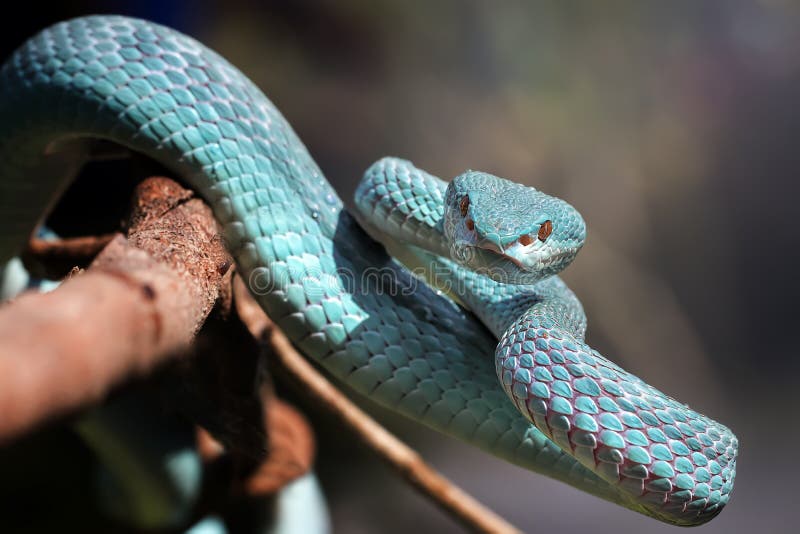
496, 255
497, 266
511, 269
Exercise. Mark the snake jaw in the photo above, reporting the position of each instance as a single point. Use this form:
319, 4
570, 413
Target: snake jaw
516, 264
510, 253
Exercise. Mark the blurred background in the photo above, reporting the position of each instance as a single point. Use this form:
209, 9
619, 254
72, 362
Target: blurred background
669, 125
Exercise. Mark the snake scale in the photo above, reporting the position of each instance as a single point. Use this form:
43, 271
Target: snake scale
559, 407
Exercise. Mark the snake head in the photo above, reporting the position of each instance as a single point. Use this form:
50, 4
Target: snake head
507, 231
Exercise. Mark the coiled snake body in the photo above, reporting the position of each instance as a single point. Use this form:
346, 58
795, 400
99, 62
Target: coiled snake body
560, 408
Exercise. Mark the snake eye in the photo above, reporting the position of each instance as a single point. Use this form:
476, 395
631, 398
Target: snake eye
545, 230
464, 205
525, 240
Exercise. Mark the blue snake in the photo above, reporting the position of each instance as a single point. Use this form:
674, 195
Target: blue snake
546, 401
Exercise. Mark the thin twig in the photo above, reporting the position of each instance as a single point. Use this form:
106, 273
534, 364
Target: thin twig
397, 454
56, 258
73, 248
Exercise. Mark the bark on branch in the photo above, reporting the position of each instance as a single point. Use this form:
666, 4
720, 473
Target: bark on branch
140, 302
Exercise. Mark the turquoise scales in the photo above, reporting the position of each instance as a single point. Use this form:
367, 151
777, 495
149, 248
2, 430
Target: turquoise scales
312, 268
629, 433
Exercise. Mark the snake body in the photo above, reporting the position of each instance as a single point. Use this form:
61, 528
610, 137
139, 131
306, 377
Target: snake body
559, 409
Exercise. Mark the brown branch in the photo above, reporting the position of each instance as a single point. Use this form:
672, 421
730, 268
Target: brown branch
252, 442
141, 300
397, 454
291, 447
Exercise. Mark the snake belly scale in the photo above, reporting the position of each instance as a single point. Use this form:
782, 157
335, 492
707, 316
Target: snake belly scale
566, 411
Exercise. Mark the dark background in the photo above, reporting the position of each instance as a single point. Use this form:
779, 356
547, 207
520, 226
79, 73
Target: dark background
670, 125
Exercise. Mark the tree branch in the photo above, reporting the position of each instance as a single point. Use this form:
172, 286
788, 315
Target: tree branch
140, 302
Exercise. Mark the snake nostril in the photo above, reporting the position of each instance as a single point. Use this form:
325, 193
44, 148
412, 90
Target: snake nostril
470, 224
525, 240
